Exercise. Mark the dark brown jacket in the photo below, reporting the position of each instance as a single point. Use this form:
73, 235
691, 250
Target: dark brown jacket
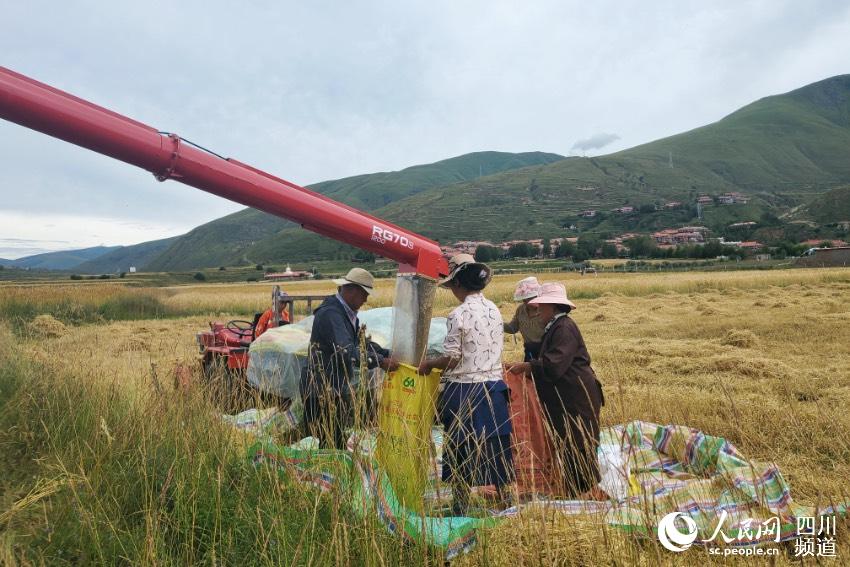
572, 398
563, 376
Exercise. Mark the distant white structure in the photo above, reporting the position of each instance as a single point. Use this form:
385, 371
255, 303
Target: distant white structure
288, 274
132, 269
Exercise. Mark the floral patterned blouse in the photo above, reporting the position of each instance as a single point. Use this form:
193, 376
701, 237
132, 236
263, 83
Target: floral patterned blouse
475, 336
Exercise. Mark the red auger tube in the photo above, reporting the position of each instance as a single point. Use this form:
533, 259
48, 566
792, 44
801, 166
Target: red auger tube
61, 115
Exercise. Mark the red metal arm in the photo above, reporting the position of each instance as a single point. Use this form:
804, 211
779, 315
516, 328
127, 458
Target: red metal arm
61, 115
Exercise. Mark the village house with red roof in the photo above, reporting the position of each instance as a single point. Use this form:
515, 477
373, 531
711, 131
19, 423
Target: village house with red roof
683, 235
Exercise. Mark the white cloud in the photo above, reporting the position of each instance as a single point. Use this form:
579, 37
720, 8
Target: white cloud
595, 141
23, 234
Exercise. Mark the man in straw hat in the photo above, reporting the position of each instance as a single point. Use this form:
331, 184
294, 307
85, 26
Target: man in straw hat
568, 389
335, 354
525, 322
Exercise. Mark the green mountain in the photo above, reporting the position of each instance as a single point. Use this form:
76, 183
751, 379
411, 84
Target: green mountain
64, 260
222, 242
374, 190
780, 151
120, 259
831, 207
250, 236
788, 154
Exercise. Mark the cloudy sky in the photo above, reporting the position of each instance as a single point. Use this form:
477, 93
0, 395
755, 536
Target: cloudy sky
321, 90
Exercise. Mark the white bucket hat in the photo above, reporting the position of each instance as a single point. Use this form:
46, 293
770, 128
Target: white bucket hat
526, 289
358, 276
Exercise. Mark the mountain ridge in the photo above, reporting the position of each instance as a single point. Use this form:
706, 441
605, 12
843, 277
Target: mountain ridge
124, 257
781, 151
236, 234
788, 154
61, 259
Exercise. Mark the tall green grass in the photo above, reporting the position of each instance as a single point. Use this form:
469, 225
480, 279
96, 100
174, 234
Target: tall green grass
137, 305
82, 305
93, 475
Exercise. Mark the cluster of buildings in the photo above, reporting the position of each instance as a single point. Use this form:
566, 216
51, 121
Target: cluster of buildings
726, 198
470, 246
664, 239
677, 236
730, 198
733, 198
667, 238
749, 245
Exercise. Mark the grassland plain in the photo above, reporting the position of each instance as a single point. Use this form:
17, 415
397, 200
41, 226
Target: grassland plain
103, 464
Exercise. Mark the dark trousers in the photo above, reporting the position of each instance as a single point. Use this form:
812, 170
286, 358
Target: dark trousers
326, 417
576, 442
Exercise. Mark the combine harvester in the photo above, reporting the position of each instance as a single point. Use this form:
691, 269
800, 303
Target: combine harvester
168, 156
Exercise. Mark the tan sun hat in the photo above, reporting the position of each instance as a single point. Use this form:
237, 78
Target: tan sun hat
552, 293
358, 276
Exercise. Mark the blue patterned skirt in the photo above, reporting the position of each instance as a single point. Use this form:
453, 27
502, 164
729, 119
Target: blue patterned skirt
477, 442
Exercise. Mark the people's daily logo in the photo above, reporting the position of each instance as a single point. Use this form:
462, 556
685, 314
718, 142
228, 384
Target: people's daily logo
671, 537
815, 535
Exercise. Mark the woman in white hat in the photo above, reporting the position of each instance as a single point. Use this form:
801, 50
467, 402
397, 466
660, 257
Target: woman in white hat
568, 389
524, 322
474, 402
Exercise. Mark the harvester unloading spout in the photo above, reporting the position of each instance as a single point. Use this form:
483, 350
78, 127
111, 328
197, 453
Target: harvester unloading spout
56, 113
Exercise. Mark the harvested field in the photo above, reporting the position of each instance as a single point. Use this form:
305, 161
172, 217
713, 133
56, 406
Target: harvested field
760, 358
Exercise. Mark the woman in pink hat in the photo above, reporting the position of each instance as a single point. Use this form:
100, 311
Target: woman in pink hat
568, 389
524, 322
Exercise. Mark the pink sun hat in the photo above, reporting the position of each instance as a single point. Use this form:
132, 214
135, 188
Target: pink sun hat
553, 293
526, 289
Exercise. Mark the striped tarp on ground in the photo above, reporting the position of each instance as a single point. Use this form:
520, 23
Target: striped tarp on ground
677, 469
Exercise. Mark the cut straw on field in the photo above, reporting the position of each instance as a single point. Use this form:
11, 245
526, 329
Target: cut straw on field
760, 358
